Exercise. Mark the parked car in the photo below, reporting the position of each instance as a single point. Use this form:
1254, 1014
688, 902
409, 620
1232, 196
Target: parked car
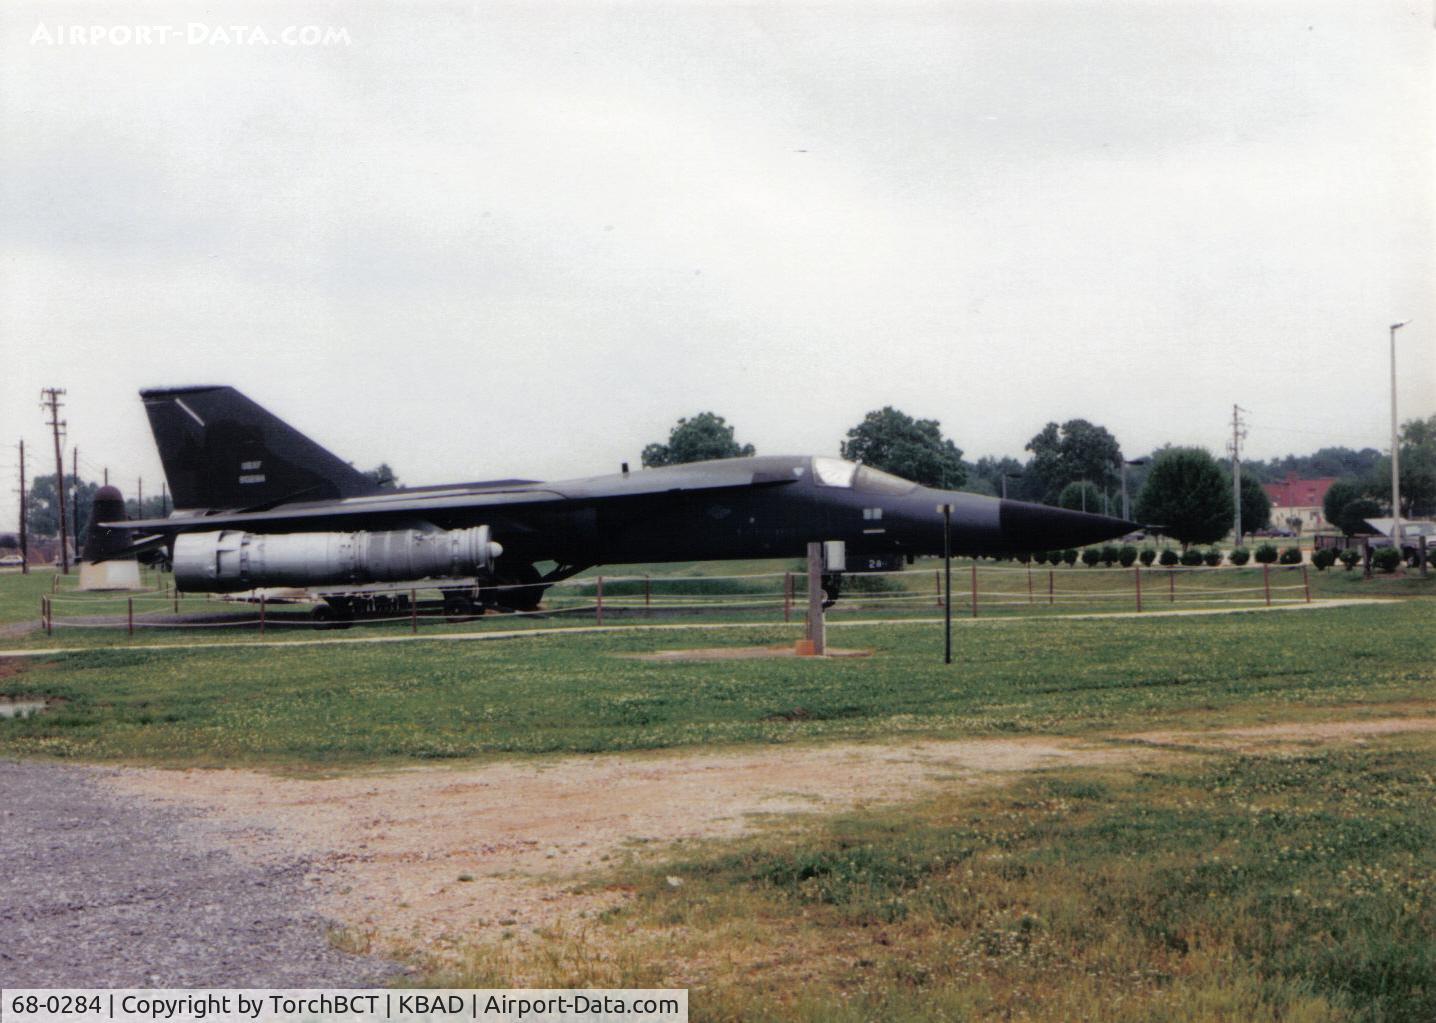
11, 560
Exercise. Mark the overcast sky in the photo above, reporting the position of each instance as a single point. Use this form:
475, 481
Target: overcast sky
475, 241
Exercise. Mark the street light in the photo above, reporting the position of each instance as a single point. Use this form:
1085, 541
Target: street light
1395, 449
1126, 504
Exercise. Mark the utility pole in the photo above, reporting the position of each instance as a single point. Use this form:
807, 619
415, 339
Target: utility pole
75, 497
50, 398
1395, 449
24, 531
140, 497
1239, 433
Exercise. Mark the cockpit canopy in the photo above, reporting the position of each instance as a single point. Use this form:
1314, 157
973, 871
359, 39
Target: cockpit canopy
836, 472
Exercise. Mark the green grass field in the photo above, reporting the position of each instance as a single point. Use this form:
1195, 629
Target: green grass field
357, 704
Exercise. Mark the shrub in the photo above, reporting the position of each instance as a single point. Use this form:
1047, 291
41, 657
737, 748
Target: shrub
1147, 556
1386, 559
1090, 556
1024, 558
1169, 557
1240, 556
869, 582
1266, 554
1212, 557
1291, 556
1127, 555
1040, 557
1191, 557
1070, 555
1323, 558
1109, 554
1349, 557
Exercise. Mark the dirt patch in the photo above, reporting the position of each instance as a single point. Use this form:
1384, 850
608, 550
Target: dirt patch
741, 653
1264, 736
390, 849
9, 668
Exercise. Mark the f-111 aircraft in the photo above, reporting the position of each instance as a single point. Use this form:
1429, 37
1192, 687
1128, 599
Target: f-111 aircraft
259, 504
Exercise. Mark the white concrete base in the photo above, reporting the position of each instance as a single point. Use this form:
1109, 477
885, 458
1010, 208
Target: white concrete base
110, 575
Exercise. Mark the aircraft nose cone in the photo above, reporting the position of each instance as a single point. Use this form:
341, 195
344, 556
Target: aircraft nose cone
1036, 527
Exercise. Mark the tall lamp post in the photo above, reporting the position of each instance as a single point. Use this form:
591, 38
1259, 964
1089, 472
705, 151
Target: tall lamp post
1126, 504
1395, 449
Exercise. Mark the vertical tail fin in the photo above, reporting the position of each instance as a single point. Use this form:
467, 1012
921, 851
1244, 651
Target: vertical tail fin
221, 450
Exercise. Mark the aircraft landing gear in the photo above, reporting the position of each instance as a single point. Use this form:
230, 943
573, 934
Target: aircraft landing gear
334, 613
517, 589
832, 586
459, 606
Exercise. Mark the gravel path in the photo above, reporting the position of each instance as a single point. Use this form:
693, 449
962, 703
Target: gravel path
106, 890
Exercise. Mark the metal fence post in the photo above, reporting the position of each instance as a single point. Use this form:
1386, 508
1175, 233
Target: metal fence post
1137, 574
261, 614
131, 615
598, 604
1306, 582
974, 588
787, 596
414, 611
1051, 587
1266, 581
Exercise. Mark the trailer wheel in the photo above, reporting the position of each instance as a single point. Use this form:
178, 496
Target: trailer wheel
459, 607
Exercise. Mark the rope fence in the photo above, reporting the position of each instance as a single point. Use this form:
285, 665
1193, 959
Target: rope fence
988, 588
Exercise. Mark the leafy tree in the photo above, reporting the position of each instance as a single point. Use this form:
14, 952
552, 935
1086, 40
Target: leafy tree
1341, 493
382, 476
988, 474
705, 436
1080, 496
1351, 519
156, 507
1256, 506
914, 449
42, 506
1418, 469
1076, 450
1187, 496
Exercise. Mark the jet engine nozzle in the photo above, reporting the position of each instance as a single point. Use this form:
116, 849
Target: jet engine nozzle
231, 560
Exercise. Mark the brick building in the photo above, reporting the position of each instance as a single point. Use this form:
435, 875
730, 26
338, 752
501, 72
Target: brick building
1300, 500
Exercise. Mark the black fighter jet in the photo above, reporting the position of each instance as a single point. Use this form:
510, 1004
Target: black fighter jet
258, 504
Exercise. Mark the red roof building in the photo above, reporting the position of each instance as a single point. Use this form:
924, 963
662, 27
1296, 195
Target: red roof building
1300, 500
